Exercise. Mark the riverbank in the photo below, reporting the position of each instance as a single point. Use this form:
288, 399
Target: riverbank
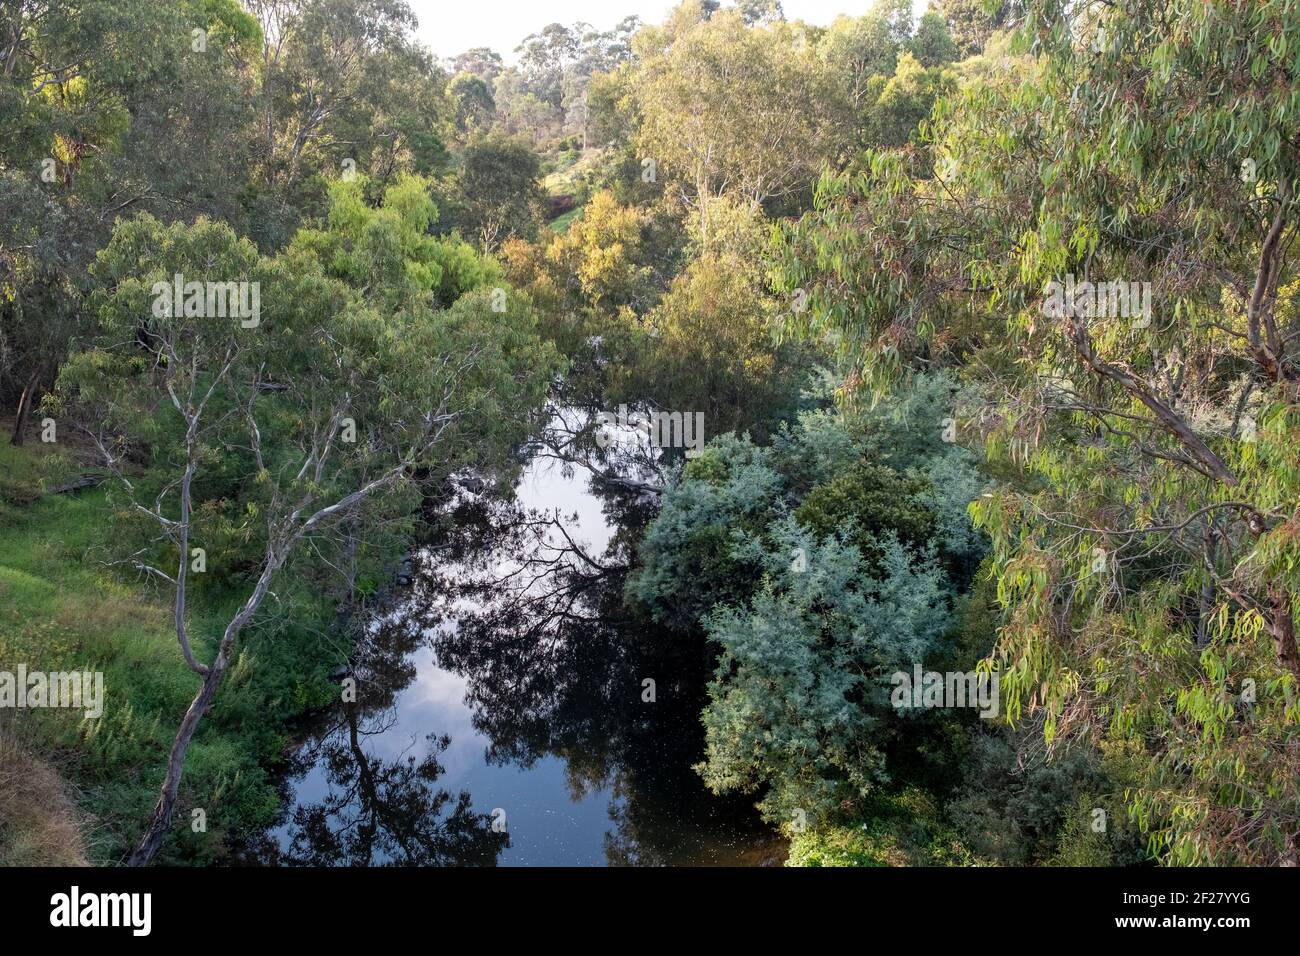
553, 735
62, 608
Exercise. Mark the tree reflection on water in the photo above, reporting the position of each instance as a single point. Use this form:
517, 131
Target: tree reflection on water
533, 620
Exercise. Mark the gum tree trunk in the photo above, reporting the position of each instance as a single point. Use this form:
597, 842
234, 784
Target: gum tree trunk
160, 820
22, 412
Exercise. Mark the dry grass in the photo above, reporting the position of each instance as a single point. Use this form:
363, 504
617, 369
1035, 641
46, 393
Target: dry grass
110, 613
39, 823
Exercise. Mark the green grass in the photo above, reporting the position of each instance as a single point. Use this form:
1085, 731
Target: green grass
561, 223
62, 608
25, 471
568, 177
558, 163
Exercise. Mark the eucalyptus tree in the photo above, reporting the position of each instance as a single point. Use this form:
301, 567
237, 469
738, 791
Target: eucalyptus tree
500, 189
344, 86
729, 109
932, 44
101, 103
473, 103
972, 22
1144, 549
480, 61
859, 48
1175, 127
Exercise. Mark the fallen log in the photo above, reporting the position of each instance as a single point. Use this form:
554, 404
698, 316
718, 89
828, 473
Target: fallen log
79, 484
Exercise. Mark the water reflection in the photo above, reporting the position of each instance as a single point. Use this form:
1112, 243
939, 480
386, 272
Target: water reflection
357, 805
508, 681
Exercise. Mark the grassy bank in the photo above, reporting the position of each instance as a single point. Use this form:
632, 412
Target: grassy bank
63, 608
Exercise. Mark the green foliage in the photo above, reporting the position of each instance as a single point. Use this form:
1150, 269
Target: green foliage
600, 264
472, 100
350, 72
902, 830
183, 110
591, 285
814, 570
972, 22
687, 563
738, 198
500, 189
723, 106
1143, 541
877, 500
348, 310
65, 609
801, 688
1018, 806
358, 242
829, 469
932, 44
743, 379
314, 417
895, 107
859, 48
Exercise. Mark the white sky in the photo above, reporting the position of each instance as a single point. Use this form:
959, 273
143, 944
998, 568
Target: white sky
449, 27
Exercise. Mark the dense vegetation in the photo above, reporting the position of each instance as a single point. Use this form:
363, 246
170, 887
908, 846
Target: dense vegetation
843, 244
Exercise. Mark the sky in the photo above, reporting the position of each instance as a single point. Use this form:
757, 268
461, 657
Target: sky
449, 27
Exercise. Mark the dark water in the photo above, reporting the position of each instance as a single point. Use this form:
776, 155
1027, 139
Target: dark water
500, 715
